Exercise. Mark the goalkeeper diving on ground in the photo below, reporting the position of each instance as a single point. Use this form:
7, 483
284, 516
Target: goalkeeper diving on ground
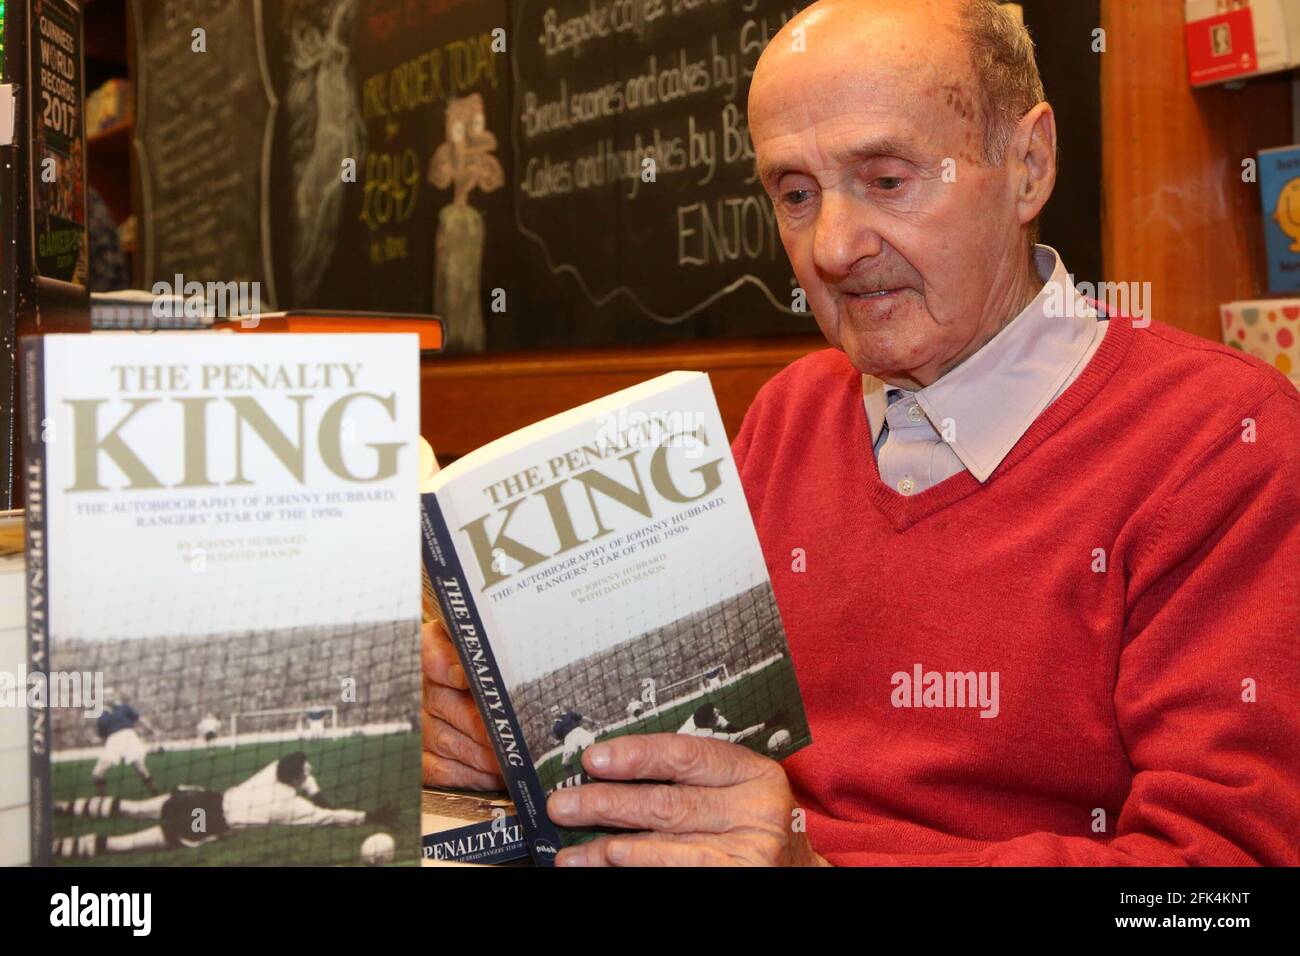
284, 792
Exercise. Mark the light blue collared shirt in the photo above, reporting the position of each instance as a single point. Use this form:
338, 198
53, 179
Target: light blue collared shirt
970, 419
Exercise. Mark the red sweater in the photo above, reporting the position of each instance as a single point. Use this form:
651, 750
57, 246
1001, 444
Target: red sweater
1120, 691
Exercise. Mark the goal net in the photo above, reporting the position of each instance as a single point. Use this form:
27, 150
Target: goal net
714, 675
283, 723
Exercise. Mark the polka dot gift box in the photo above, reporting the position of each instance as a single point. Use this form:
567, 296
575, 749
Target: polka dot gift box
1268, 329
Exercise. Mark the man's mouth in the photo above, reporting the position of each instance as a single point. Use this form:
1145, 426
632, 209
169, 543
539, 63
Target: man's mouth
879, 294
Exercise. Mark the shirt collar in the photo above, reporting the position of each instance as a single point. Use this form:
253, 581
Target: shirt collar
993, 397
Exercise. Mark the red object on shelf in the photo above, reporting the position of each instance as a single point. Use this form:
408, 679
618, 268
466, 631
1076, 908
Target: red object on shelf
1222, 47
427, 327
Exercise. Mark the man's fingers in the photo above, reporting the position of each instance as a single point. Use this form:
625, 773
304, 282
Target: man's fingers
441, 772
438, 658
443, 739
457, 708
641, 849
679, 758
664, 808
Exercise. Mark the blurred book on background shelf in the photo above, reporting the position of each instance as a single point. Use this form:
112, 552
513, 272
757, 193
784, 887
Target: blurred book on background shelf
108, 106
1228, 43
138, 309
427, 328
1279, 189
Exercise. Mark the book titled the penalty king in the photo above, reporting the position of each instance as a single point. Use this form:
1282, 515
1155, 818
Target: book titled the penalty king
223, 601
600, 575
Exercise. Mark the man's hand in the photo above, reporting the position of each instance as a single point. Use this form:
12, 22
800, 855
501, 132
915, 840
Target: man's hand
724, 805
457, 751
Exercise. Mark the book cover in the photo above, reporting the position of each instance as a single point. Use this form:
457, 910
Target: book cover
56, 97
1245, 39
462, 826
15, 824
600, 575
223, 598
44, 262
1221, 45
1268, 329
137, 309
1279, 186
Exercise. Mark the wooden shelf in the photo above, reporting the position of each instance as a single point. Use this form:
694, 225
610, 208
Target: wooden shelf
1177, 213
467, 401
109, 167
114, 141
105, 31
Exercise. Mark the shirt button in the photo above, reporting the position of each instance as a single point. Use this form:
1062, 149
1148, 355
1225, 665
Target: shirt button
906, 486
915, 412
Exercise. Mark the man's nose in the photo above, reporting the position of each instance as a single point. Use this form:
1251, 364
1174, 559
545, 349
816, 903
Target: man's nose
843, 234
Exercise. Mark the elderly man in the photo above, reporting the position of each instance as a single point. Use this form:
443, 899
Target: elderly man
1095, 521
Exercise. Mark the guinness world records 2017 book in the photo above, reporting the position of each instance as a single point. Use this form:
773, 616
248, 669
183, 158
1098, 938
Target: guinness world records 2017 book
44, 263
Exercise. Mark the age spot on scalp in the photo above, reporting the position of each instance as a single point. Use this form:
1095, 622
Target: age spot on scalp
966, 107
958, 100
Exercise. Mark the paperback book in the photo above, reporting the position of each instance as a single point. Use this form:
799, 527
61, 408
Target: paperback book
600, 575
223, 599
1279, 185
468, 827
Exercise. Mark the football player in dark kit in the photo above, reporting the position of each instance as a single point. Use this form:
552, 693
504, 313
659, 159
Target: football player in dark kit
116, 726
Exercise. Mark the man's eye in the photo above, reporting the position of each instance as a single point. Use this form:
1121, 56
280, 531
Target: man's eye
797, 197
890, 183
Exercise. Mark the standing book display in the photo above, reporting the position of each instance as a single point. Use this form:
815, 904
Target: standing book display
44, 261
223, 598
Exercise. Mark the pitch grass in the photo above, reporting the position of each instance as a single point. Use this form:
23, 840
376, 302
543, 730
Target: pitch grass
769, 696
356, 773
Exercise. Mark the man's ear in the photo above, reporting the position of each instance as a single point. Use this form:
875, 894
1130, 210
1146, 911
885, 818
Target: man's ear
1033, 154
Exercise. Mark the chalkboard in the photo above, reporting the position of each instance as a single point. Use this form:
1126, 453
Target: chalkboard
540, 173
637, 205
205, 116
385, 85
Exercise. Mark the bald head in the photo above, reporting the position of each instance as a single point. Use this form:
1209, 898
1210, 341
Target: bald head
908, 152
978, 44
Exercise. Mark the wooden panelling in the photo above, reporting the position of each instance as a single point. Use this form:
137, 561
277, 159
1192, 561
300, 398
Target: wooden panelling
466, 401
1176, 212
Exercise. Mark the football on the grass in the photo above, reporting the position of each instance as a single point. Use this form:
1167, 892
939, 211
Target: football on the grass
378, 849
778, 741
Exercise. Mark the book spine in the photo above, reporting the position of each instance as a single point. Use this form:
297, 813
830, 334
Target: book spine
10, 368
474, 645
38, 590
487, 842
